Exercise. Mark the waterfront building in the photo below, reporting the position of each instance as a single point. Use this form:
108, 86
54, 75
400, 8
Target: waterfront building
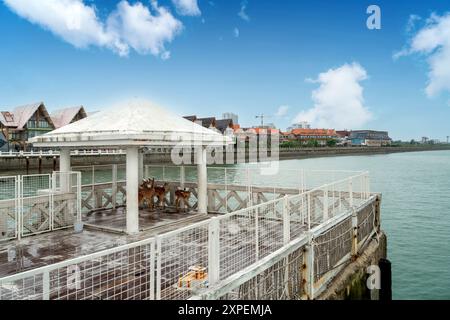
226, 125
322, 136
370, 138
63, 117
24, 123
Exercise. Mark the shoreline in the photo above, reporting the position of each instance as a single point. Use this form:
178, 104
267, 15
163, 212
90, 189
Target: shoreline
308, 153
47, 163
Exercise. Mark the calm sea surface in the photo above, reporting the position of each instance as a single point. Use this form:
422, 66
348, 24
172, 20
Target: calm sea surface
415, 213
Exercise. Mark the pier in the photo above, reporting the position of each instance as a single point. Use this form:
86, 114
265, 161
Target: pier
81, 233
257, 242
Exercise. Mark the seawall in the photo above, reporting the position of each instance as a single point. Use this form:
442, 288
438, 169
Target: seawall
351, 282
47, 163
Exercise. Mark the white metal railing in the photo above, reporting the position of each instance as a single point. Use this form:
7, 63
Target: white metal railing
94, 152
33, 204
130, 268
220, 248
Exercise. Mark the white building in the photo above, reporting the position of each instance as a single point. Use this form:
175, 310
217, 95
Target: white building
232, 116
299, 125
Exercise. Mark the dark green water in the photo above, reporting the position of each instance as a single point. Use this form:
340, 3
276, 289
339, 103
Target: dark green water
415, 215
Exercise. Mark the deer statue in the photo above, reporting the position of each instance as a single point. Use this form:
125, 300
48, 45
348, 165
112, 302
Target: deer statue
160, 193
182, 195
146, 192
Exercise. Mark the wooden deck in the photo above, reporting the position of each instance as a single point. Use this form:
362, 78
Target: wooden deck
103, 230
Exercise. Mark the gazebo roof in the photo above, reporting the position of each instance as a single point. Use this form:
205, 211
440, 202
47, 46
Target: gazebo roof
133, 124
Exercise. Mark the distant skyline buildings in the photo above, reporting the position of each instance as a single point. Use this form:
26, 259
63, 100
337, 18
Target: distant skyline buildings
190, 60
299, 125
232, 116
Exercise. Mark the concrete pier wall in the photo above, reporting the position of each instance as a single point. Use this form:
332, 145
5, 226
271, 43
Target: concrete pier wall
351, 282
47, 162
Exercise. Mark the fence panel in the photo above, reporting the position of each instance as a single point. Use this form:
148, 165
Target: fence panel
66, 190
238, 241
182, 262
8, 208
331, 247
281, 281
35, 204
298, 208
122, 273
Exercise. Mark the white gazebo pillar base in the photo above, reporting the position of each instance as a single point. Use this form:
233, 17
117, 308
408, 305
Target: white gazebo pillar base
141, 166
202, 186
132, 190
64, 168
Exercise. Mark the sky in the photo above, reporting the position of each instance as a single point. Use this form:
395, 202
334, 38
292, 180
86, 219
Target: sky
291, 60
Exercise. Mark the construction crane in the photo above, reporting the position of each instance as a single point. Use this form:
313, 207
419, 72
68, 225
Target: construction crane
262, 116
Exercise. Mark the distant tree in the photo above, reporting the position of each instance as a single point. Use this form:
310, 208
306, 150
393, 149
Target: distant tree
331, 142
312, 143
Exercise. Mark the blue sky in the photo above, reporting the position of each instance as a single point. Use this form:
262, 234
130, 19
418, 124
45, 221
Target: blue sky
213, 60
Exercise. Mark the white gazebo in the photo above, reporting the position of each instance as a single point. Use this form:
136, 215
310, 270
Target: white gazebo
133, 126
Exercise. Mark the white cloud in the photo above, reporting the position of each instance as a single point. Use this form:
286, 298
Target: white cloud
78, 24
242, 13
433, 41
236, 32
142, 31
413, 18
187, 7
339, 101
282, 111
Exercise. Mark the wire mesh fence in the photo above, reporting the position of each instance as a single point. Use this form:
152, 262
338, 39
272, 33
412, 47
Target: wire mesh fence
190, 259
182, 262
283, 280
331, 247
122, 273
38, 203
8, 208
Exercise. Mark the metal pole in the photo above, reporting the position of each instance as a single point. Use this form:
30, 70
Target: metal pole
286, 221
202, 180
132, 190
214, 251
182, 177
325, 203
114, 186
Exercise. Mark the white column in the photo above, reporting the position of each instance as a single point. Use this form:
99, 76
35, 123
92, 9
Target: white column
132, 190
202, 180
64, 166
141, 166
64, 160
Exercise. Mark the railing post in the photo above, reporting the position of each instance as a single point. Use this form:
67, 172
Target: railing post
146, 175
308, 269
182, 177
308, 210
19, 206
46, 285
214, 251
354, 234
350, 192
256, 213
286, 221
114, 186
158, 267
79, 197
325, 203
